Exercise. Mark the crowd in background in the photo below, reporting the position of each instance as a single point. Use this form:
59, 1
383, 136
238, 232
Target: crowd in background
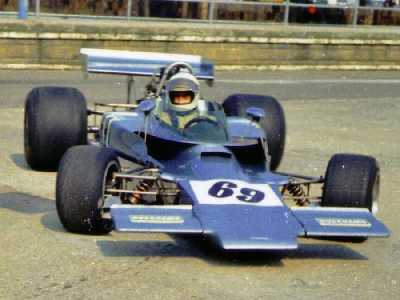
231, 11
145, 8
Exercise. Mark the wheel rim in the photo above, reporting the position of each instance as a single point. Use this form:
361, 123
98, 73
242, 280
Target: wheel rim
375, 194
111, 168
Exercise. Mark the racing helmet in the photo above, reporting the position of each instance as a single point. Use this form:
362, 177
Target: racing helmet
183, 84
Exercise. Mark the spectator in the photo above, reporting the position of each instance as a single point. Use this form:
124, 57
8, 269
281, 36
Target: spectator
163, 9
387, 15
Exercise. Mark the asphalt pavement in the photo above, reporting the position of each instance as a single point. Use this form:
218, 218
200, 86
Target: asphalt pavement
326, 112
295, 85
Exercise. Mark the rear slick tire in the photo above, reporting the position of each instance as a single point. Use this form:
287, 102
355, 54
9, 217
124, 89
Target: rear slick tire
273, 124
55, 120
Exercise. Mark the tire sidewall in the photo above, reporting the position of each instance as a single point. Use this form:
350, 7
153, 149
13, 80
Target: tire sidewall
55, 120
80, 188
351, 181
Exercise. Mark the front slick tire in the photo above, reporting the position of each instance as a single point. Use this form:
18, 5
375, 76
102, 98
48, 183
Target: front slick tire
352, 181
84, 174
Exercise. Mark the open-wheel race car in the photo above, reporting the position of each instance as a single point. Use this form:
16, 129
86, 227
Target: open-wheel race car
157, 164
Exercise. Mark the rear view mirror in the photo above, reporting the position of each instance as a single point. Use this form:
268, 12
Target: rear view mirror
255, 113
146, 106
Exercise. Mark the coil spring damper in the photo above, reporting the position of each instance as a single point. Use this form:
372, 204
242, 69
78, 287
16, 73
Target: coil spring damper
298, 193
142, 186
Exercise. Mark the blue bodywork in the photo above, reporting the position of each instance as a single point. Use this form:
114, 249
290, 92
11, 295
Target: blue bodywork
237, 203
221, 168
142, 63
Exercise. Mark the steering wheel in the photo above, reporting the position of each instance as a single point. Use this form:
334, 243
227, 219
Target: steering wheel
198, 120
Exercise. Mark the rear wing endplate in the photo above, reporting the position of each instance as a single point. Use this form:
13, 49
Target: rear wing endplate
142, 63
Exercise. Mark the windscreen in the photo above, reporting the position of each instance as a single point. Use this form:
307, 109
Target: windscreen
199, 126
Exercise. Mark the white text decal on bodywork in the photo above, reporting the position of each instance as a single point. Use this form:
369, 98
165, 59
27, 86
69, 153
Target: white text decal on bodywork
156, 219
343, 222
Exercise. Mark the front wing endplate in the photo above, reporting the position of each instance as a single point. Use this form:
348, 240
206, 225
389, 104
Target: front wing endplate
339, 222
145, 218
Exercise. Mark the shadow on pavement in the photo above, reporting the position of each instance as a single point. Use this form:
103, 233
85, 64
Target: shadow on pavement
19, 161
188, 247
203, 248
325, 251
52, 222
30, 205
25, 203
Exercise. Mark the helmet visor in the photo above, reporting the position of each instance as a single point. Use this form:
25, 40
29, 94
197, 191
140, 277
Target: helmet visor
181, 97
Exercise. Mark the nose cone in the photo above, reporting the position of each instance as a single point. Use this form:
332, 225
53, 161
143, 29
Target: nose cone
246, 227
235, 222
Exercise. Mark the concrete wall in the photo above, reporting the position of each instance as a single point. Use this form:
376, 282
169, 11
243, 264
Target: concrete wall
55, 44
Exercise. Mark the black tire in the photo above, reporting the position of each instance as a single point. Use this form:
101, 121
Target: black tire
273, 124
55, 120
84, 173
352, 181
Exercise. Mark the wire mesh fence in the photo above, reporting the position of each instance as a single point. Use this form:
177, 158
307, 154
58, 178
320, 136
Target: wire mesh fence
334, 12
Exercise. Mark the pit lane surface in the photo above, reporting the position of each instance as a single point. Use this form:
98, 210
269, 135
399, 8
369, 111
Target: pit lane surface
327, 112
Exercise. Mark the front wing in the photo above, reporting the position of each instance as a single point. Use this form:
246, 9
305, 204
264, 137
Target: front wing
248, 227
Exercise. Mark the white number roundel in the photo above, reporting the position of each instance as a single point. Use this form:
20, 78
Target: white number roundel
221, 191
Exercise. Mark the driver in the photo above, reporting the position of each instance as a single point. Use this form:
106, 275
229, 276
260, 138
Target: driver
182, 99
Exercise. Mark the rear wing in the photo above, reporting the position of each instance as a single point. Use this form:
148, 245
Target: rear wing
142, 63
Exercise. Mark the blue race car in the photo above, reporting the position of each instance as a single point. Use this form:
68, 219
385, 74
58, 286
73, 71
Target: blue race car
176, 163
